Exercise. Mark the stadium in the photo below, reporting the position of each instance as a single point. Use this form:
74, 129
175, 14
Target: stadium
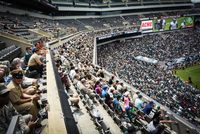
100, 67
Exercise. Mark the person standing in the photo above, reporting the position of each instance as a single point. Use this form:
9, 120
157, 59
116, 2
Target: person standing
173, 24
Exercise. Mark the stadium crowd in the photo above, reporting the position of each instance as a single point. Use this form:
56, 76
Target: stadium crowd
156, 80
74, 58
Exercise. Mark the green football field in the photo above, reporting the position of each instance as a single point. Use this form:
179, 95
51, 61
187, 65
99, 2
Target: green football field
193, 72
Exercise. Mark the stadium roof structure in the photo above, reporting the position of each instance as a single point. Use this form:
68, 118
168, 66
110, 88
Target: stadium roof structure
100, 7
117, 3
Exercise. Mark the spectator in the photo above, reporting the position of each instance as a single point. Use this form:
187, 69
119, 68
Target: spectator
75, 100
148, 108
27, 55
3, 72
139, 102
116, 105
110, 82
104, 91
156, 125
7, 111
97, 87
29, 83
35, 63
23, 102
73, 72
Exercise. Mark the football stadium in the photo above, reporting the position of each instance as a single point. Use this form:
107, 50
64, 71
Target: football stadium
100, 67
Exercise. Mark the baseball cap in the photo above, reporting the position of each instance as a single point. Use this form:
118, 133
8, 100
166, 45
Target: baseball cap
3, 89
126, 93
17, 73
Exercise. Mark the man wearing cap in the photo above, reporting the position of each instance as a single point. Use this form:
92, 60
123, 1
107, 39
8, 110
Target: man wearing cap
35, 63
23, 102
7, 111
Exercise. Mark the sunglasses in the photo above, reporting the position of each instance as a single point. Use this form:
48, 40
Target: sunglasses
18, 77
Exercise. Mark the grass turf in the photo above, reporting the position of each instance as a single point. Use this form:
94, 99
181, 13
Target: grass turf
193, 72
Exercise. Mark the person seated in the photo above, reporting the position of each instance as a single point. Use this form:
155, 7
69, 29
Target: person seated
130, 130
27, 55
148, 108
153, 126
7, 111
29, 84
74, 99
4, 71
135, 95
35, 63
116, 104
82, 85
23, 102
109, 100
100, 73
104, 91
126, 100
40, 45
139, 102
73, 72
111, 80
97, 88
156, 125
131, 112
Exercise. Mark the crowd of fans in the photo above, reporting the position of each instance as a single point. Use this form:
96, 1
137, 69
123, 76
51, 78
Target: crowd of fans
91, 81
20, 94
153, 79
75, 58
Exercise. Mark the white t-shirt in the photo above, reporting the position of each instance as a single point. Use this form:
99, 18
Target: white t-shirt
151, 128
173, 25
72, 73
182, 25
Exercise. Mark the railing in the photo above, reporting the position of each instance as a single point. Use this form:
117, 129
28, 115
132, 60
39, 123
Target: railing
60, 116
13, 125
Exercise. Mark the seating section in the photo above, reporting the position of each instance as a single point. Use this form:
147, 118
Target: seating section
18, 28
93, 101
20, 25
2, 45
10, 53
167, 89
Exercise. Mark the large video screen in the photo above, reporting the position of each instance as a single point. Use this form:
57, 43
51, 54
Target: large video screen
173, 23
